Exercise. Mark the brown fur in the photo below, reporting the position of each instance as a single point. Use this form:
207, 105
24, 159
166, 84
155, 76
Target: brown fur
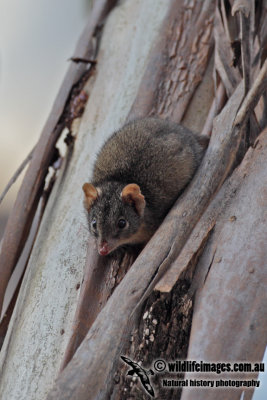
139, 173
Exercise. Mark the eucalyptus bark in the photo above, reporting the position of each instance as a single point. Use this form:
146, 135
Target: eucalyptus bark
102, 347
146, 313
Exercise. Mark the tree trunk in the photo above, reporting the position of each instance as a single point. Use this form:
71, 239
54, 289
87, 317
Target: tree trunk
198, 289
42, 320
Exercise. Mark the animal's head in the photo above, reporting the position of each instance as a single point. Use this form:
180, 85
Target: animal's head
115, 214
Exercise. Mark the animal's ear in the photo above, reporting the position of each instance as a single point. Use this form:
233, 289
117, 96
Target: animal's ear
90, 195
132, 195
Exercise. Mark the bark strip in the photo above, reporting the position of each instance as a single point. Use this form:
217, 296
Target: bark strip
178, 61
101, 348
176, 75
21, 217
230, 319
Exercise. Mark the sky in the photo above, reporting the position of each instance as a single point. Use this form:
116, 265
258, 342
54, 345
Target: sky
37, 37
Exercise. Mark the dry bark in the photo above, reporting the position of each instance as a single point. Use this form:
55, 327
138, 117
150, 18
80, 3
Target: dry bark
172, 310
230, 318
165, 70
103, 344
229, 313
178, 61
141, 106
40, 325
21, 217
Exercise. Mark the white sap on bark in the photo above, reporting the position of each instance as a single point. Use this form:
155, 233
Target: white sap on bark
35, 343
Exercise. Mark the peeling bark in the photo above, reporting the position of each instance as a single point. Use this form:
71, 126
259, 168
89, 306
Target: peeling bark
178, 61
21, 217
164, 62
40, 325
146, 314
103, 345
230, 317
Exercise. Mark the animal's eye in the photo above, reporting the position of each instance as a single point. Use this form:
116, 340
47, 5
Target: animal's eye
93, 224
121, 223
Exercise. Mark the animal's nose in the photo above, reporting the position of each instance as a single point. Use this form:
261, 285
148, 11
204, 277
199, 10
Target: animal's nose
103, 248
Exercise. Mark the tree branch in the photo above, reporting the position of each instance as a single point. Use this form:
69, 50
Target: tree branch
253, 96
16, 175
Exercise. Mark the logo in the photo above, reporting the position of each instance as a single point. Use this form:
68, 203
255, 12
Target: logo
141, 373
